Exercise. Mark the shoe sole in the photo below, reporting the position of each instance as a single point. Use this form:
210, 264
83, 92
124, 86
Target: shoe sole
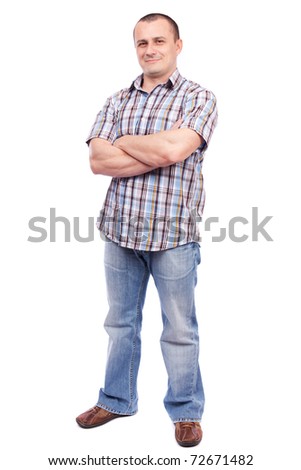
188, 444
88, 426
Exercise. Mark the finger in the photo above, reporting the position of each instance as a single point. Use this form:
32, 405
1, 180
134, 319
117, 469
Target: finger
177, 124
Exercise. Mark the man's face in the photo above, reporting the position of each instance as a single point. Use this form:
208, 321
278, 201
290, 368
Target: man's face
156, 47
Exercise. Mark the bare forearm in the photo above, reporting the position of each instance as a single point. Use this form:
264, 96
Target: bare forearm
106, 159
160, 149
119, 166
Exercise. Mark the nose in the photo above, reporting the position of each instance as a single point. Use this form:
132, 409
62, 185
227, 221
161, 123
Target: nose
150, 50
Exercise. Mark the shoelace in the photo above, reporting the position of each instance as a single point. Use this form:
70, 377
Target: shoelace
188, 425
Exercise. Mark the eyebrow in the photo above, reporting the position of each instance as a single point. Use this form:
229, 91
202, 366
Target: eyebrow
155, 39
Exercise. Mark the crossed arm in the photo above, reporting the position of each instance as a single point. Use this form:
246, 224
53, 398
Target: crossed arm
133, 155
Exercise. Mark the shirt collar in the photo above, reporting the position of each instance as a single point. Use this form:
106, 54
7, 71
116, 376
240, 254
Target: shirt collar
173, 81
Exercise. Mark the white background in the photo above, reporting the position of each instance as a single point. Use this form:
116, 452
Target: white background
59, 61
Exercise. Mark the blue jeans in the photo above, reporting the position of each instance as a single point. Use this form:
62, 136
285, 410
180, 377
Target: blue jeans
174, 273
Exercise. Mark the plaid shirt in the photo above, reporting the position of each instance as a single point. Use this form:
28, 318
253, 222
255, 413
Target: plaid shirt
157, 210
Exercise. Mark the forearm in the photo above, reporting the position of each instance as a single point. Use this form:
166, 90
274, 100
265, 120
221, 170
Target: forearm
160, 149
106, 159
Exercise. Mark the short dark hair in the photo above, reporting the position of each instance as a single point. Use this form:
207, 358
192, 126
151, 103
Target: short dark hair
155, 16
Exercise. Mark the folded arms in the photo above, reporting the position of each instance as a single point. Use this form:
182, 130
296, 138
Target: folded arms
133, 155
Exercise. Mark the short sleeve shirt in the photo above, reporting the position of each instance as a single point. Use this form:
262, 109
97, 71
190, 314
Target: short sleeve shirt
157, 210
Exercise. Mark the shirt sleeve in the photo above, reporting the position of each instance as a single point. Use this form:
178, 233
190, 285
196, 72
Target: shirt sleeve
200, 114
104, 126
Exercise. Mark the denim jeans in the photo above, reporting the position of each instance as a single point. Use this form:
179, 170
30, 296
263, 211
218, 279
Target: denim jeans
174, 273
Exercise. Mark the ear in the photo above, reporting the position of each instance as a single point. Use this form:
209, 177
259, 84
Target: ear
179, 45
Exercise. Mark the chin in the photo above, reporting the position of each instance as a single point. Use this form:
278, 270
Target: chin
153, 71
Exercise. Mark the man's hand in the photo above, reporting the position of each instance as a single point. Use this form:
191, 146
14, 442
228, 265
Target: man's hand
176, 125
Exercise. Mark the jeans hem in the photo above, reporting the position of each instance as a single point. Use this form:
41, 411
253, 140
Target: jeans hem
187, 420
116, 412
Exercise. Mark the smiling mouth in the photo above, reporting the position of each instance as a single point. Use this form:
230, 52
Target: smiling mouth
152, 60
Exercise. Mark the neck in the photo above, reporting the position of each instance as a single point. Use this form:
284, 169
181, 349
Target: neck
149, 83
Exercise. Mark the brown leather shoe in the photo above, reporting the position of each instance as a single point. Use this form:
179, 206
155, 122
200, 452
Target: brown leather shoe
188, 434
96, 417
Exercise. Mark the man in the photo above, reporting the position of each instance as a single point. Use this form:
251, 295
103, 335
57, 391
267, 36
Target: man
151, 139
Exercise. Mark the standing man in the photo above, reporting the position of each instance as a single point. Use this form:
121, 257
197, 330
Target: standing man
151, 138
